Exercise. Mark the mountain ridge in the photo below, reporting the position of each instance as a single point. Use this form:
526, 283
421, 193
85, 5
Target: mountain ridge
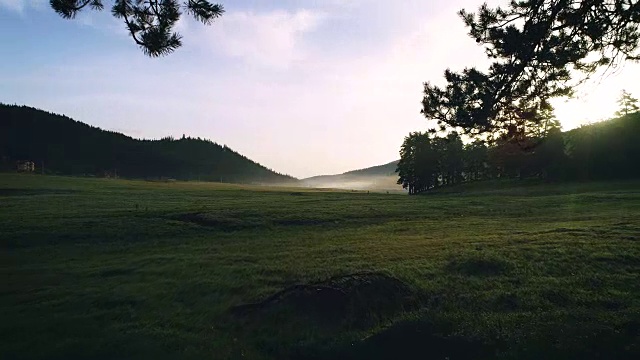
384, 169
62, 145
375, 178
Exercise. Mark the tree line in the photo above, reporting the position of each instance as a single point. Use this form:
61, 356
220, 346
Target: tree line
61, 145
600, 151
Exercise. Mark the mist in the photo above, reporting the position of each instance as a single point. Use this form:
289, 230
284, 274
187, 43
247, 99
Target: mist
377, 183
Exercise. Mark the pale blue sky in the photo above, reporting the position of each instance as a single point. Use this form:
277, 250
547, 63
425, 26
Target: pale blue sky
304, 87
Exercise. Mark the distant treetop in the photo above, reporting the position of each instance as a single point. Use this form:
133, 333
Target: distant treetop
628, 104
150, 22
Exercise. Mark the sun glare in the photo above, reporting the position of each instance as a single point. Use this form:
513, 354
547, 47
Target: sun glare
596, 100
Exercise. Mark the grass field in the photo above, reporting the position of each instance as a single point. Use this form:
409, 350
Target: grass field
106, 269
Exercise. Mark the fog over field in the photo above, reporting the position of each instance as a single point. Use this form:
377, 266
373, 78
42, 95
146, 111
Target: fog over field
354, 182
376, 178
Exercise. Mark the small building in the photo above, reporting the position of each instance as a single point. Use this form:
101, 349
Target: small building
26, 166
110, 174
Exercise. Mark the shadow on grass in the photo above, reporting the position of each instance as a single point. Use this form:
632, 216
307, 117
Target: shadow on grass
237, 222
406, 340
33, 192
221, 223
479, 266
565, 339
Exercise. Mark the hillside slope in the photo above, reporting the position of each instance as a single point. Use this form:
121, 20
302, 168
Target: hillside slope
604, 150
375, 178
380, 170
69, 147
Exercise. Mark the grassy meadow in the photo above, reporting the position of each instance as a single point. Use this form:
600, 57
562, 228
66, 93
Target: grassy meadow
116, 269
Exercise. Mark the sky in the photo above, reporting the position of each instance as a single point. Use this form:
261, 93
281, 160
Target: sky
304, 87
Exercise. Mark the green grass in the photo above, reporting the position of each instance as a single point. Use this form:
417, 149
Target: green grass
108, 269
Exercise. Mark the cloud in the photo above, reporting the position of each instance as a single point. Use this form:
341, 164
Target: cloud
20, 5
272, 39
15, 5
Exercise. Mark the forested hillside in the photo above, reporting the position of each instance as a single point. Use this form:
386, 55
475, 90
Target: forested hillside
601, 151
385, 170
605, 150
64, 146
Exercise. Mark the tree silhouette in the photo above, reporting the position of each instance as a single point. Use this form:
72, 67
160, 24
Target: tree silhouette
628, 104
536, 47
475, 160
150, 22
452, 167
406, 166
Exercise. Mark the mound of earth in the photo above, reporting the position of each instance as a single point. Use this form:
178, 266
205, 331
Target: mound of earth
356, 300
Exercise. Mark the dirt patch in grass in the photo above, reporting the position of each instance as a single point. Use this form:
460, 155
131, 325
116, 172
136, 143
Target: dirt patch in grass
358, 300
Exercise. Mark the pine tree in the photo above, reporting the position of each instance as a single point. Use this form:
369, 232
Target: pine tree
537, 49
150, 23
628, 104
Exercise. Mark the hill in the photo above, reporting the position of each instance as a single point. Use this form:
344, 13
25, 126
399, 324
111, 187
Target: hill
604, 150
375, 178
380, 170
64, 146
